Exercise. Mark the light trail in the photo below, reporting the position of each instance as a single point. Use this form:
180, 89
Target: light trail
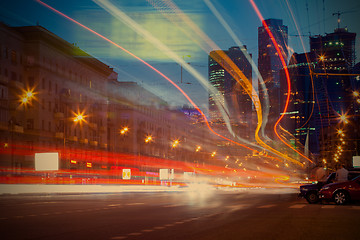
255, 99
225, 62
286, 74
161, 74
150, 66
117, 13
307, 60
122, 160
233, 70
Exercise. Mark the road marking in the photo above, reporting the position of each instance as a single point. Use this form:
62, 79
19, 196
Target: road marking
114, 205
328, 206
33, 203
119, 237
18, 216
3, 218
180, 222
172, 205
236, 207
169, 225
45, 214
158, 228
356, 207
57, 212
31, 215
267, 206
134, 204
297, 206
147, 230
135, 234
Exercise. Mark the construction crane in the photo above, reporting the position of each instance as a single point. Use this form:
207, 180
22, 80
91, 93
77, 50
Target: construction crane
338, 13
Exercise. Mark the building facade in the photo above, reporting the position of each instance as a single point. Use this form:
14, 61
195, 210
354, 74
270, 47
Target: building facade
57, 98
322, 107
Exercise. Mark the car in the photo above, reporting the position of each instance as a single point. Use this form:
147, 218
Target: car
311, 191
341, 192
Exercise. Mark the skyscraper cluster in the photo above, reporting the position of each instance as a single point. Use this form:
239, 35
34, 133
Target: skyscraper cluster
321, 117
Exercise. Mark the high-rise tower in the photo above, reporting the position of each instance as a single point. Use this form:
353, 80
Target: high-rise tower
235, 98
269, 64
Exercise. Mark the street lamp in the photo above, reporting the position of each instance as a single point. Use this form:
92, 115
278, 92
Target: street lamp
148, 139
124, 130
175, 143
343, 118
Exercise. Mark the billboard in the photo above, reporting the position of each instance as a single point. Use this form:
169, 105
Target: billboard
356, 161
47, 161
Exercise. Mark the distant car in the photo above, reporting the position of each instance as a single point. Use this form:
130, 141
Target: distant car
341, 192
311, 191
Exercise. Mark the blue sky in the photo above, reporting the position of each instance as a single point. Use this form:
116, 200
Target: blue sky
238, 14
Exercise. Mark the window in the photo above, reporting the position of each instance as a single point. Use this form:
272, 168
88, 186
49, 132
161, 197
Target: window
13, 57
49, 126
49, 106
49, 86
31, 81
30, 124
43, 83
13, 76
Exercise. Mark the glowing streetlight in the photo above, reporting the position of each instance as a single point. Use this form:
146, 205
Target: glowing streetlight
356, 93
322, 57
79, 117
27, 96
148, 139
175, 143
198, 148
124, 130
343, 118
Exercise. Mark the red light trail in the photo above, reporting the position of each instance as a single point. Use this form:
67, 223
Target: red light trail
286, 74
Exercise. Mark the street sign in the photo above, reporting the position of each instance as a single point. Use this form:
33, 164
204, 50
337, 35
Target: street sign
126, 174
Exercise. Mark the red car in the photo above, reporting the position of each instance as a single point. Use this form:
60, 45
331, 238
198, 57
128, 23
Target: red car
341, 192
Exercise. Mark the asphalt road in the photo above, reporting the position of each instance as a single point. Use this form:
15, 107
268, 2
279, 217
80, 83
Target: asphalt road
253, 214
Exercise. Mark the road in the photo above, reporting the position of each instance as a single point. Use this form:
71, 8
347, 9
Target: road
252, 214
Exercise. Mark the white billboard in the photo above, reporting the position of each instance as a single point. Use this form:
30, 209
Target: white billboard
166, 174
356, 161
47, 161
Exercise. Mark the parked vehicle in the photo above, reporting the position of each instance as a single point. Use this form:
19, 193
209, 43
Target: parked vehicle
341, 192
311, 191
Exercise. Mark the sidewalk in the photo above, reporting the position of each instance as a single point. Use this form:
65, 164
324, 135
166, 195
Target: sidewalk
79, 189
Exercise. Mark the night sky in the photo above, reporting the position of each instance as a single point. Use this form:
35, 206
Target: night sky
162, 23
